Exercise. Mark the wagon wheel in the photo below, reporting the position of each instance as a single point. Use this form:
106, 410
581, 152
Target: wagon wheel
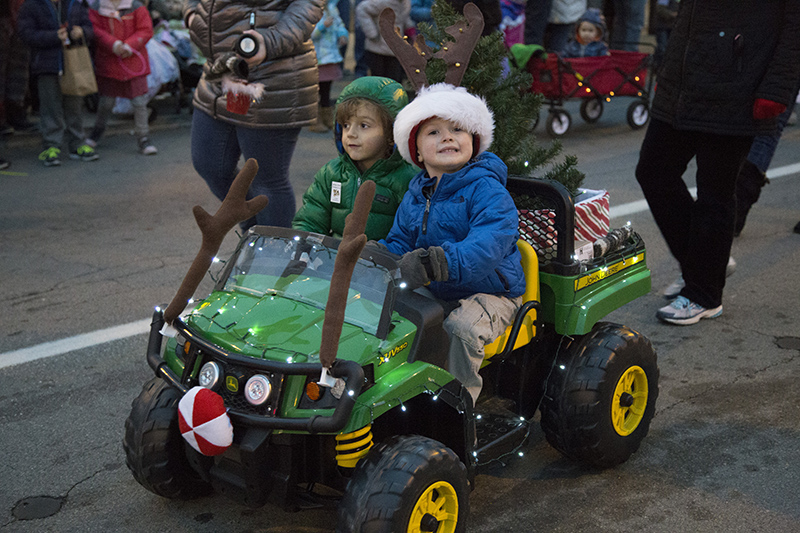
638, 114
591, 110
558, 123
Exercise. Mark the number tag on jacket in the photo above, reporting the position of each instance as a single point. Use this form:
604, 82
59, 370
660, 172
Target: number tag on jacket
336, 192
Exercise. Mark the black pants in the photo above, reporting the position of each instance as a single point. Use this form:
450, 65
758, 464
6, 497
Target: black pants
699, 232
387, 66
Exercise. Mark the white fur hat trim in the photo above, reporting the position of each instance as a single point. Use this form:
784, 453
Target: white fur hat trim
443, 100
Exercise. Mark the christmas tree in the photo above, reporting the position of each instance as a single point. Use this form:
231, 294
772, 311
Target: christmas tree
491, 74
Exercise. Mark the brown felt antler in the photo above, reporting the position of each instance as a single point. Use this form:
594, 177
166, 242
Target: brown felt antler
353, 241
455, 53
234, 209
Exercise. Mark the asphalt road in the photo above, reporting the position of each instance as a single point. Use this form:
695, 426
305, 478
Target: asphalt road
88, 249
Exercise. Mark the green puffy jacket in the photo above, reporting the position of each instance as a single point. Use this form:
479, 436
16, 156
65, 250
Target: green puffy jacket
321, 214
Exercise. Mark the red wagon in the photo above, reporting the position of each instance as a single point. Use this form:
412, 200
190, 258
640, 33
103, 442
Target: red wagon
594, 80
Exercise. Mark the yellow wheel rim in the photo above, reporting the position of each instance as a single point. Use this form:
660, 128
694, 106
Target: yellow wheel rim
630, 401
435, 510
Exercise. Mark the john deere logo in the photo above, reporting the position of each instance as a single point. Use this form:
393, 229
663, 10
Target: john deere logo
232, 383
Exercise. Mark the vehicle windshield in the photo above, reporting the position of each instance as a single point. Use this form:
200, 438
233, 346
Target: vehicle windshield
298, 266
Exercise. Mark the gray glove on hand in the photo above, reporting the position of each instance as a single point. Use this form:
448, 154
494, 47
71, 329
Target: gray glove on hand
419, 267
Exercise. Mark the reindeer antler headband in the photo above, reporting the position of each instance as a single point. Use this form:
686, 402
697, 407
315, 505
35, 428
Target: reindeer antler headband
455, 53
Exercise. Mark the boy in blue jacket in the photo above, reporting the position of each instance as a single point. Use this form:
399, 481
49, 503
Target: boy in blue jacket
47, 26
456, 227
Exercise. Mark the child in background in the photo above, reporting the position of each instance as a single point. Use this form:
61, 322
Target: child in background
456, 228
329, 35
589, 35
122, 28
47, 26
379, 57
365, 111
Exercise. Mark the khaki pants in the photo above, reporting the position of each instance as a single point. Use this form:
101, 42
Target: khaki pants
478, 321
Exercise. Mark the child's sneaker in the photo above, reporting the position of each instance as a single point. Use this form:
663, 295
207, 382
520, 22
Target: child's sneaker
146, 148
684, 312
675, 288
50, 157
84, 153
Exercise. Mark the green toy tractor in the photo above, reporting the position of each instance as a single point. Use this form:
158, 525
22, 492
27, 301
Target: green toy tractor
396, 435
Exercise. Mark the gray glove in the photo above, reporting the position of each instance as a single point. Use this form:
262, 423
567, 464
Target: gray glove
419, 267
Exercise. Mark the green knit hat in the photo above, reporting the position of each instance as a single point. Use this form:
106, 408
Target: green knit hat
384, 92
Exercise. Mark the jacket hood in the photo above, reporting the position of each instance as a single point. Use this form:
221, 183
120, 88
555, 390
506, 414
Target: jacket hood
594, 16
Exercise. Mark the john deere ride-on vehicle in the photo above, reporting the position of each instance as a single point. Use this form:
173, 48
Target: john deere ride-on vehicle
396, 434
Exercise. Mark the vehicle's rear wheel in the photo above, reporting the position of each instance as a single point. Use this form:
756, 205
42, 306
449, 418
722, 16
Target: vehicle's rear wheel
408, 484
601, 395
154, 448
591, 110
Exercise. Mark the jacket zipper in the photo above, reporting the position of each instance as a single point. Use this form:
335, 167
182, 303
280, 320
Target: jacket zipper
427, 193
686, 52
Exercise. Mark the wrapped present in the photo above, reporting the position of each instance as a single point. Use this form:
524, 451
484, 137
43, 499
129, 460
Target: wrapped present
537, 226
591, 215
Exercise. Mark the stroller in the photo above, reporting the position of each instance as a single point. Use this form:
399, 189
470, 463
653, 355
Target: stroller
594, 80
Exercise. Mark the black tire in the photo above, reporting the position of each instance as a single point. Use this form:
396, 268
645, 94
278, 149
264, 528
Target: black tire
591, 110
638, 114
398, 481
154, 448
558, 123
601, 395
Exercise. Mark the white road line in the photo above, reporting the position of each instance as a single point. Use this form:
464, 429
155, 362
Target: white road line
78, 342
102, 336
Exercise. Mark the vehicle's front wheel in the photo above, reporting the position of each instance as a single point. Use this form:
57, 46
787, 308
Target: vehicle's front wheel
601, 395
638, 114
154, 448
408, 484
558, 122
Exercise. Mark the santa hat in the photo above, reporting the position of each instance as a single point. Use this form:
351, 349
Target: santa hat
451, 103
203, 421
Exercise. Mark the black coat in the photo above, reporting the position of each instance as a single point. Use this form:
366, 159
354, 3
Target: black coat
721, 56
37, 26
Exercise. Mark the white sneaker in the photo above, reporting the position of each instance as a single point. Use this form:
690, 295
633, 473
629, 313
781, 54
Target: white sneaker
684, 312
675, 288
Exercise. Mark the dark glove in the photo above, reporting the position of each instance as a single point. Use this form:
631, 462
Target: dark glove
764, 109
419, 267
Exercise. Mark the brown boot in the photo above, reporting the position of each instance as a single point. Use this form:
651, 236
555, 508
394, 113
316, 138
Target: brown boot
326, 114
320, 126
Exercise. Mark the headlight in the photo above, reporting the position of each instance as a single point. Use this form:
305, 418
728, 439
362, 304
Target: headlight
258, 389
209, 375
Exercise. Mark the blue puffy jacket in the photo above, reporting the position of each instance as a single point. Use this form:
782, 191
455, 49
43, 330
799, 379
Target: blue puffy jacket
37, 26
473, 218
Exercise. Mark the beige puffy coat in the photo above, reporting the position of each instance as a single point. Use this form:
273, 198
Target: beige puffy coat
289, 73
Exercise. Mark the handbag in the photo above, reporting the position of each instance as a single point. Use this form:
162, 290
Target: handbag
78, 77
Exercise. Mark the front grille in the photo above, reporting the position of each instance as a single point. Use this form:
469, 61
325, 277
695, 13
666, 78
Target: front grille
237, 401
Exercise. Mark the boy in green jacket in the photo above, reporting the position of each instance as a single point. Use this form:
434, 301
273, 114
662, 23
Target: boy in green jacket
365, 113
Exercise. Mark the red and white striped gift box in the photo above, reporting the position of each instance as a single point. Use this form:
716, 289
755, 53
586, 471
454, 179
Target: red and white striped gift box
591, 221
591, 215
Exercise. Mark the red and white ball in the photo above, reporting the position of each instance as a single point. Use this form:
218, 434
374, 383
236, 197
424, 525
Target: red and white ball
203, 421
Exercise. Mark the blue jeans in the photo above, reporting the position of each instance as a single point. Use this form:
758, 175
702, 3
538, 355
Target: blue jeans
628, 22
764, 145
216, 149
